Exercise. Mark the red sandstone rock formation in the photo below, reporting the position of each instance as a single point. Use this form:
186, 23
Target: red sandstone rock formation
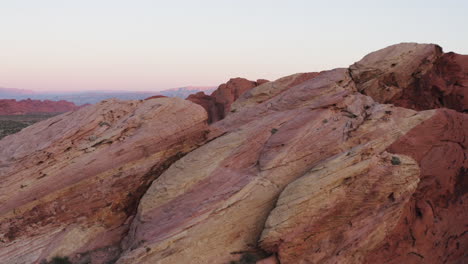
208, 103
218, 104
13, 107
228, 92
310, 168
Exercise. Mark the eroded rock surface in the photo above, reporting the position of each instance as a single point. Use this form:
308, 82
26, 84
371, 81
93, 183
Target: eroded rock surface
69, 184
416, 76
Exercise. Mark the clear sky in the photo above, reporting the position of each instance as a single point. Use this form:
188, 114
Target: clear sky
153, 45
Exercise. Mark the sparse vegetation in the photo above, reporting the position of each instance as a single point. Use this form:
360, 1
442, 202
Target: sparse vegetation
102, 123
396, 161
8, 127
11, 124
349, 114
274, 130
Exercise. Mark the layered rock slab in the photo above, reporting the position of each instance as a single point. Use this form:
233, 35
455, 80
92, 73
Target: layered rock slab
69, 184
342, 209
213, 202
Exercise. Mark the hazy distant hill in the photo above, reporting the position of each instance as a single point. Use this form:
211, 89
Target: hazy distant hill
7, 93
91, 97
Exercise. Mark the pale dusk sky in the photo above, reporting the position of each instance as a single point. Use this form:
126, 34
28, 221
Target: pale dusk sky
152, 45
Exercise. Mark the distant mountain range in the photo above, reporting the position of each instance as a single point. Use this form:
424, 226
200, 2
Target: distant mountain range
91, 97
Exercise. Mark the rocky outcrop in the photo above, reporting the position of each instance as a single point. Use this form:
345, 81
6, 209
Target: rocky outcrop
214, 201
13, 107
228, 92
346, 190
208, 103
416, 76
310, 168
218, 104
69, 185
358, 225
382, 220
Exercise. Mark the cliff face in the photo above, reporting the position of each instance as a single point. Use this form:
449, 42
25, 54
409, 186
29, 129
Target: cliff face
13, 107
342, 166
